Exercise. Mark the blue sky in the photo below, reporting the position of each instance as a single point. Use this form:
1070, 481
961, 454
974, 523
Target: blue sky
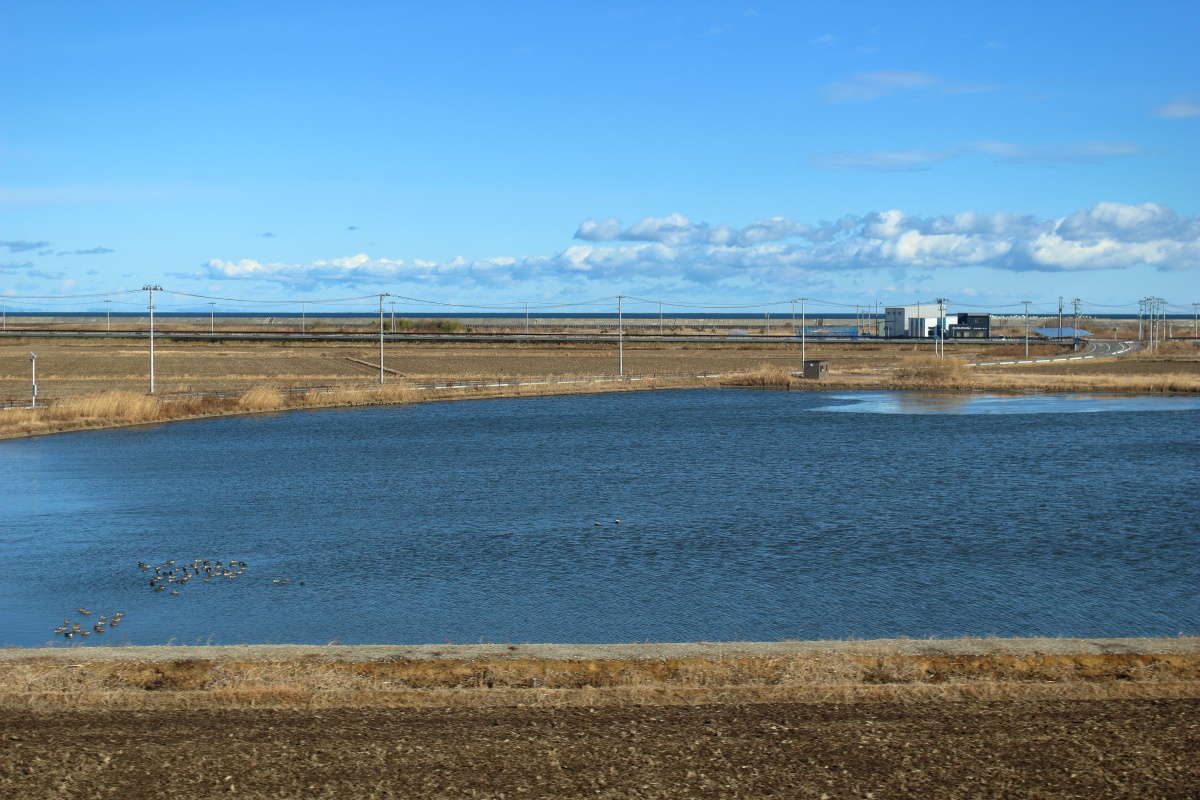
713, 153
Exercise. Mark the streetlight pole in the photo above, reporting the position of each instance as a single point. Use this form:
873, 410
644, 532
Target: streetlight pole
151, 288
1026, 302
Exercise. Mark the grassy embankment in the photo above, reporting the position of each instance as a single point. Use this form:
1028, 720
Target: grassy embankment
40, 682
121, 408
953, 374
98, 384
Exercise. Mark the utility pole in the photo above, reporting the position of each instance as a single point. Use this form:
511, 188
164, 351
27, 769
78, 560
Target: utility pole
1141, 305
108, 316
1075, 301
1148, 302
803, 341
1060, 319
1158, 316
392, 303
33, 379
1026, 302
941, 326
212, 317
151, 288
381, 296
620, 337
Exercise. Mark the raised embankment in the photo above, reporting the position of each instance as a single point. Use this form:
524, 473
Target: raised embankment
295, 676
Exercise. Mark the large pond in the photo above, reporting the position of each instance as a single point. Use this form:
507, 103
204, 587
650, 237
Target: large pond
744, 515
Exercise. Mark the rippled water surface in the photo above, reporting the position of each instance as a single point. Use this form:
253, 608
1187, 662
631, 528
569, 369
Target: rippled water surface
744, 515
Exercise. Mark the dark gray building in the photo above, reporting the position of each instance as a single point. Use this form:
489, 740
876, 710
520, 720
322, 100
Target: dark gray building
971, 326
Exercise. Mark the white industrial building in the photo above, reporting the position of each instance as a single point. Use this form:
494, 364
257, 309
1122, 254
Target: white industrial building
918, 321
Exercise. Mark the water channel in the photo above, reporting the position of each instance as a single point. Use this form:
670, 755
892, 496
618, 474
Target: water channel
744, 515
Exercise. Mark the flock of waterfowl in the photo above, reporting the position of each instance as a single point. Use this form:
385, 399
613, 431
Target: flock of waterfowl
71, 629
171, 577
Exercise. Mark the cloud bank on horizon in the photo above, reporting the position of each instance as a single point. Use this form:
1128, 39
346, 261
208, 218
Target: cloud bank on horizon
673, 250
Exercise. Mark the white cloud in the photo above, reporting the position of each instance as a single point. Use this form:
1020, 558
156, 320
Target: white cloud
677, 252
1180, 109
921, 158
972, 88
1076, 151
862, 87
592, 230
888, 160
874, 84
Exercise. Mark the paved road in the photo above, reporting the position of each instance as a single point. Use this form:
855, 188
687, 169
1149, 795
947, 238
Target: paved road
1094, 348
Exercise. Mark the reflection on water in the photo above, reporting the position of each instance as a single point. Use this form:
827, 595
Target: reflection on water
744, 515
980, 403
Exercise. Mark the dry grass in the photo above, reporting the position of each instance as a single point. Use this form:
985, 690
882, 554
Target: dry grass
1035, 350
766, 376
1169, 351
46, 684
117, 408
100, 383
262, 398
930, 373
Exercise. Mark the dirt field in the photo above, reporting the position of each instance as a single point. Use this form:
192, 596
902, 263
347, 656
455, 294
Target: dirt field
1081, 718
1079, 749
68, 367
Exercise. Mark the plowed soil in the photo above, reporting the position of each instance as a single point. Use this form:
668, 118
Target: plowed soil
1079, 749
